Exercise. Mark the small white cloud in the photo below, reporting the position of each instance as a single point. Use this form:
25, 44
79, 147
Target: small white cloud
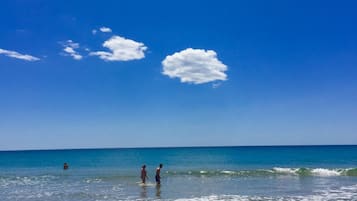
196, 66
69, 49
122, 49
72, 44
105, 29
17, 55
94, 31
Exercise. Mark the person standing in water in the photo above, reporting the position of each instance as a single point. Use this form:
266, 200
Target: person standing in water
157, 175
143, 174
65, 166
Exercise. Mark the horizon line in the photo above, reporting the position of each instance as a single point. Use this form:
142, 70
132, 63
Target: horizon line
173, 147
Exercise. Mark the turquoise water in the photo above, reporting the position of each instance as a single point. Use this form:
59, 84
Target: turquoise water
210, 173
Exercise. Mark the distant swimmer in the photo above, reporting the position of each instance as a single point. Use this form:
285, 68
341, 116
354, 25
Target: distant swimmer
143, 174
65, 166
157, 175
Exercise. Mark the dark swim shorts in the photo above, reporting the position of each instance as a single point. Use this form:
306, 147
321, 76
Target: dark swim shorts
157, 178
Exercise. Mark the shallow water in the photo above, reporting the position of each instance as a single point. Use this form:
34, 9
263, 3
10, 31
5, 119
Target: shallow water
211, 173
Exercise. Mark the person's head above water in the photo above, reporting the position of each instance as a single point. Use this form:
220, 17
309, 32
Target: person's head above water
160, 165
144, 166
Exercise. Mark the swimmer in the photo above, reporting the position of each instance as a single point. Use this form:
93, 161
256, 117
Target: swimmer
143, 174
65, 166
157, 175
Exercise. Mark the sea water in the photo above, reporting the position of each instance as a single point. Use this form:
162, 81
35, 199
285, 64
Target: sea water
207, 173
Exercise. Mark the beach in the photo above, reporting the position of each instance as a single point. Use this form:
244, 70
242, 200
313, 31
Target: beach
201, 173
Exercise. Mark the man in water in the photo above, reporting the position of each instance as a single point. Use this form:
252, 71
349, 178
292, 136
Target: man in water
157, 176
65, 166
143, 174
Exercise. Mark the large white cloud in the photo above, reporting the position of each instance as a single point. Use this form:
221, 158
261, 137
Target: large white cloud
17, 55
69, 49
196, 66
122, 49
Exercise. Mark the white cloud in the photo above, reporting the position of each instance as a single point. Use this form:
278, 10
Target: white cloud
105, 29
69, 49
17, 55
94, 31
196, 66
122, 49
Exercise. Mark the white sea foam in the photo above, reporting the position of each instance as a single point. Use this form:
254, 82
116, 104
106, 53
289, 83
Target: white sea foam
285, 170
343, 193
321, 172
227, 172
25, 180
325, 172
93, 180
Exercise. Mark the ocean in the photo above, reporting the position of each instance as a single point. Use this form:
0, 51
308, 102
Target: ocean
284, 173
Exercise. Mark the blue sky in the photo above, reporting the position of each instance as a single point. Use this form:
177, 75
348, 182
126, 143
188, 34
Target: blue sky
179, 73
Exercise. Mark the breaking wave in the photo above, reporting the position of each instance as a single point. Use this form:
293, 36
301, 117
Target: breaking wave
276, 171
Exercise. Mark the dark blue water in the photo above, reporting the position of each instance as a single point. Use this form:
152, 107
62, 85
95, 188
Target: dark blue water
209, 173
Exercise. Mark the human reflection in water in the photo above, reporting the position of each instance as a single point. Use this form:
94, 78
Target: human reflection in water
143, 193
158, 191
